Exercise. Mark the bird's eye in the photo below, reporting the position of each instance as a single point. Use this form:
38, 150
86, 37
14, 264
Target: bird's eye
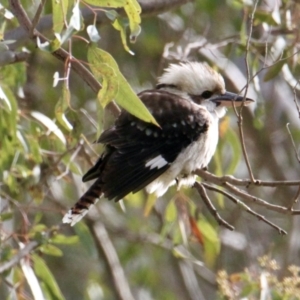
207, 94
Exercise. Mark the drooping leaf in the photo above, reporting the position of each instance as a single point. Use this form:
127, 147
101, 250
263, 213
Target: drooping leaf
274, 70
151, 200
114, 84
59, 13
45, 275
133, 11
49, 124
61, 106
212, 244
4, 99
120, 25
233, 140
263, 16
171, 212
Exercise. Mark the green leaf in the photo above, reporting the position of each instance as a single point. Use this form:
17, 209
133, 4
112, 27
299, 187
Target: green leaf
234, 142
49, 124
120, 25
171, 212
45, 275
35, 151
6, 216
263, 16
150, 202
212, 244
59, 12
61, 106
73, 166
4, 99
114, 84
55, 43
64, 240
274, 70
51, 250
133, 11
107, 3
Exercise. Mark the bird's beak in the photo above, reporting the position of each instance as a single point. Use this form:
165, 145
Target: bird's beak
227, 98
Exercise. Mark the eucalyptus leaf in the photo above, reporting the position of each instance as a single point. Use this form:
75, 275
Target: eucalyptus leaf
114, 84
45, 275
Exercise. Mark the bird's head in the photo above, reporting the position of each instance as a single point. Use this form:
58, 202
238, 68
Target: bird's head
202, 84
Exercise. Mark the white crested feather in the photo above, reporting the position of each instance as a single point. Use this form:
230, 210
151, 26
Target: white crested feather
193, 78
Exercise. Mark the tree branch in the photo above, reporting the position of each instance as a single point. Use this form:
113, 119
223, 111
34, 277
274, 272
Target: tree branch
245, 207
244, 182
16, 259
45, 24
104, 243
60, 54
201, 190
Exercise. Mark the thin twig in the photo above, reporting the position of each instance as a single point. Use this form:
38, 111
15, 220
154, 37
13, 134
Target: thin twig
240, 118
295, 200
295, 98
61, 54
201, 190
244, 182
250, 199
293, 142
245, 207
37, 16
244, 195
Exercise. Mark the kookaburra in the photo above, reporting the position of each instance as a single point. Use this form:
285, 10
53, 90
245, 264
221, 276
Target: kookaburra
187, 102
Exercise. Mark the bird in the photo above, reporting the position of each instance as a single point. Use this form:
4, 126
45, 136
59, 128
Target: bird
187, 102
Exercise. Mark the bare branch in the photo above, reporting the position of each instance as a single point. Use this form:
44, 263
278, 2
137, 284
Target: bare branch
154, 7
45, 24
103, 241
10, 57
61, 54
37, 16
201, 190
245, 207
244, 182
240, 118
250, 198
16, 259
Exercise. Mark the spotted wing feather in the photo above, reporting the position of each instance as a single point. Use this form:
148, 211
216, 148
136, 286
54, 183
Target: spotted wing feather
131, 143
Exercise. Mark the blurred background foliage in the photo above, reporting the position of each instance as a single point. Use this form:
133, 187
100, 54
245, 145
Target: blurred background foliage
146, 248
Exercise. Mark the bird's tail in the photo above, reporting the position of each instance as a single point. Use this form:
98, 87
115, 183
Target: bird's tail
81, 207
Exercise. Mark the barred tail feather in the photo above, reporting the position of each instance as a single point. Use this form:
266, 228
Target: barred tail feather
81, 207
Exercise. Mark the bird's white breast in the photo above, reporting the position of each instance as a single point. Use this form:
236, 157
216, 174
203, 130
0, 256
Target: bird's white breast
196, 156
